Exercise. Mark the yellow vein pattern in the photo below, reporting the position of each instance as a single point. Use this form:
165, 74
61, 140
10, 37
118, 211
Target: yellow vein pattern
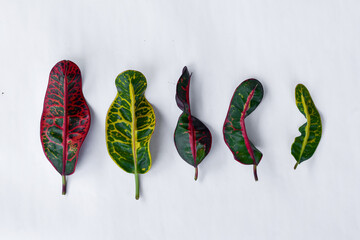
305, 145
130, 123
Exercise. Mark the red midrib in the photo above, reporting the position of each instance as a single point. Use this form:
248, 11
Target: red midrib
243, 129
192, 136
65, 128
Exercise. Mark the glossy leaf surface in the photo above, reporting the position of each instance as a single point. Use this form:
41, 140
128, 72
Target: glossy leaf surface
305, 145
130, 123
246, 98
65, 120
192, 138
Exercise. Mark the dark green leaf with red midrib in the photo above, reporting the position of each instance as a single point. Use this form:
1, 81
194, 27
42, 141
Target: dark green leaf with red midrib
65, 120
246, 98
192, 138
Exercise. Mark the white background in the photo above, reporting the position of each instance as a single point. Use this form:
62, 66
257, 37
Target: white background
281, 43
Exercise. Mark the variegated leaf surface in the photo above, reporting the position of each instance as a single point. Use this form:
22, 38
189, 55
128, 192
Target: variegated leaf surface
305, 145
130, 123
65, 120
246, 98
192, 138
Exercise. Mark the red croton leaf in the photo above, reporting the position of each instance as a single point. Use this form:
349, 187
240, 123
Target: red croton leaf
65, 120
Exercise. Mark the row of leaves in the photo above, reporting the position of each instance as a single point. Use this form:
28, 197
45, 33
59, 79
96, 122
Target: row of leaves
130, 123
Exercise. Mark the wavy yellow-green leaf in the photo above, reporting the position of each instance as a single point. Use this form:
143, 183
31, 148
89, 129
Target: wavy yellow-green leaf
305, 145
130, 123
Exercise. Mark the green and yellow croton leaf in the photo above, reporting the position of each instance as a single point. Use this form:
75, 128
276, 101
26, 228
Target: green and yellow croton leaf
192, 138
65, 119
246, 98
305, 145
130, 123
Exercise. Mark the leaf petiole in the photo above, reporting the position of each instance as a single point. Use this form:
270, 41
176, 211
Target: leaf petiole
63, 184
137, 186
297, 163
255, 173
196, 173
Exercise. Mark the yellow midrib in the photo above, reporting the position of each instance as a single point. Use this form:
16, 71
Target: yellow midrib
307, 128
133, 125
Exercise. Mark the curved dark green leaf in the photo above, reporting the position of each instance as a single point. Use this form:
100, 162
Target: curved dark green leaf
65, 120
246, 98
192, 138
305, 145
130, 123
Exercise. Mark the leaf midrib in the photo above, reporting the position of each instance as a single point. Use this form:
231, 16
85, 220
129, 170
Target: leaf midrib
307, 128
243, 128
133, 126
65, 122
